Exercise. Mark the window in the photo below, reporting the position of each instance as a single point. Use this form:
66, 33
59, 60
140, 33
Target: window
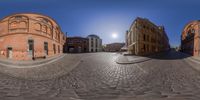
13, 25
18, 24
144, 47
153, 48
192, 31
91, 43
96, 43
44, 20
144, 37
84, 42
18, 17
38, 27
58, 36
85, 50
147, 37
49, 31
54, 48
22, 25
147, 48
58, 49
44, 28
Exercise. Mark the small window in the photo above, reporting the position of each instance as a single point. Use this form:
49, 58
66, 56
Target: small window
193, 31
18, 17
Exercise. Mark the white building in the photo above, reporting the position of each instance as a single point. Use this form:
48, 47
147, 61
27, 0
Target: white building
95, 43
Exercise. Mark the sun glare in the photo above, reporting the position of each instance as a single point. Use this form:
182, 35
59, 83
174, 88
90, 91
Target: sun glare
114, 35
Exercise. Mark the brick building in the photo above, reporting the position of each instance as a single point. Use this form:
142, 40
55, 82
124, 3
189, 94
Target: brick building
113, 47
29, 36
144, 38
76, 45
190, 38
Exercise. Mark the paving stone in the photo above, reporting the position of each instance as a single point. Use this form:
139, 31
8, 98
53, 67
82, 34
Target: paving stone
100, 78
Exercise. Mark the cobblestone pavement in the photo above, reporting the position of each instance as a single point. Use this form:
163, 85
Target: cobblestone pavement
98, 77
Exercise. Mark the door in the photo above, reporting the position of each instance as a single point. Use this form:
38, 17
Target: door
9, 52
31, 48
46, 48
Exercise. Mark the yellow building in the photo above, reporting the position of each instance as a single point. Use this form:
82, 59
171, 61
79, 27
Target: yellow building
144, 38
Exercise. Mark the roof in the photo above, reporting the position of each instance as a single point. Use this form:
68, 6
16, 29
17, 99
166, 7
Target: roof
93, 35
76, 37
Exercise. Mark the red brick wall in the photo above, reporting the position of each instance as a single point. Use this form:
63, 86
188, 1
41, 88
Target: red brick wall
193, 42
15, 32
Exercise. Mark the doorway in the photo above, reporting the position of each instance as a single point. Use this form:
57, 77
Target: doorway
31, 48
9, 52
46, 48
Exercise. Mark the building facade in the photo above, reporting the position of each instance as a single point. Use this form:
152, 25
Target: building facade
28, 36
76, 45
190, 38
145, 38
114, 47
95, 43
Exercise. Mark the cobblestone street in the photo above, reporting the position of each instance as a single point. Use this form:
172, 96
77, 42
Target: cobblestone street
98, 77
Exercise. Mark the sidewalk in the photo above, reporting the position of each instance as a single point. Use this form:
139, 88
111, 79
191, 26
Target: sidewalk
46, 69
194, 62
21, 64
130, 59
195, 59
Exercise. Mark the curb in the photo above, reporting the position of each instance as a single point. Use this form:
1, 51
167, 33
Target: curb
194, 60
191, 58
30, 65
132, 62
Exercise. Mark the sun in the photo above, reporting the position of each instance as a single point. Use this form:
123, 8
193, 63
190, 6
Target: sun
114, 35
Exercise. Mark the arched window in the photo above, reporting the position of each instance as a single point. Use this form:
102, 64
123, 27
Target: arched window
44, 28
192, 31
38, 26
18, 23
22, 24
58, 36
49, 30
13, 25
57, 32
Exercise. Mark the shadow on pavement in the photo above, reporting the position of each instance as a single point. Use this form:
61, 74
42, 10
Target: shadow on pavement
170, 55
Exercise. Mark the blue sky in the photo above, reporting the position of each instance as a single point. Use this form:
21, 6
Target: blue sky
104, 17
